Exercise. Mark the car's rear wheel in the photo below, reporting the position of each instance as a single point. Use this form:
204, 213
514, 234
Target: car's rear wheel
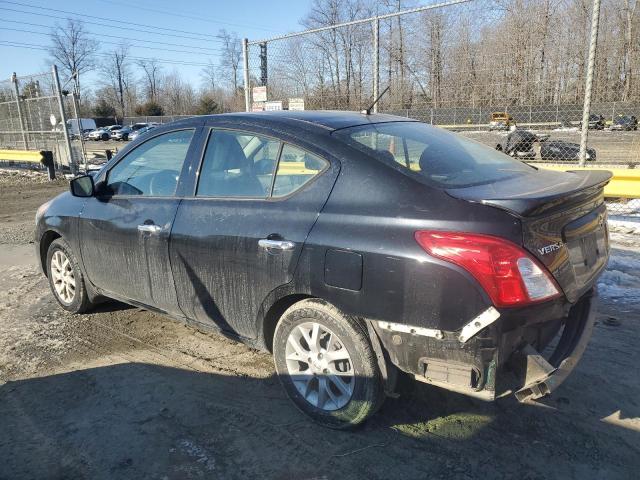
326, 364
65, 278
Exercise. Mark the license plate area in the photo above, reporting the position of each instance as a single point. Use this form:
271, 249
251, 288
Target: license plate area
587, 242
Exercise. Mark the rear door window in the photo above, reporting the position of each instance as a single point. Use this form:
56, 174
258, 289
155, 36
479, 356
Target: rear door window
438, 157
296, 168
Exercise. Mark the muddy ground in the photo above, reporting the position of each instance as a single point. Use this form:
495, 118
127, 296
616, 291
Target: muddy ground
125, 393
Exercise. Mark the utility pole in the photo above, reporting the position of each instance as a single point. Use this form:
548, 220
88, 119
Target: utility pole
595, 23
376, 61
245, 64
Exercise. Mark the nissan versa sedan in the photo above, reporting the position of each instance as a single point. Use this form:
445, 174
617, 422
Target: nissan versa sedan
356, 248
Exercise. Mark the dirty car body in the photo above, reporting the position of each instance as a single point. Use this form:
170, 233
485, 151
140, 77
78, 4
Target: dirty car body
382, 218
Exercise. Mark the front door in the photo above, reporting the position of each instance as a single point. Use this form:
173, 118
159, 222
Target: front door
240, 236
124, 230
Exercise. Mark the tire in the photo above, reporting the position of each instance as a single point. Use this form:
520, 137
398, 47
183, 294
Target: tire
352, 388
74, 298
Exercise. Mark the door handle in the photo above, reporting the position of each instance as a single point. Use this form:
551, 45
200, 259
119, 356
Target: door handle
280, 245
150, 228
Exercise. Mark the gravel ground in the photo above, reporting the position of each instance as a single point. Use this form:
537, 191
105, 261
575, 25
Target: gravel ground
125, 393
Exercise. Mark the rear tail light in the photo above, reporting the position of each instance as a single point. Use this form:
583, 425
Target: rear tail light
510, 276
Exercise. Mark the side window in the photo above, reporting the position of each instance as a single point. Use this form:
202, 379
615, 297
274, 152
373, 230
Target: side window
153, 168
238, 164
296, 168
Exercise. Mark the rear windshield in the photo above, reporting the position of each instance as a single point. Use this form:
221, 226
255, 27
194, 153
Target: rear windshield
440, 158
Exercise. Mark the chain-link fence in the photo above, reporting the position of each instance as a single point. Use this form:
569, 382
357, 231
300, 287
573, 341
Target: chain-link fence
478, 67
515, 75
33, 116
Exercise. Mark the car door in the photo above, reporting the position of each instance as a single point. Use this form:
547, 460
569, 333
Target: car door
124, 229
239, 237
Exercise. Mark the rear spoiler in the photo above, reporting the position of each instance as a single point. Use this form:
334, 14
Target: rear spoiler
540, 192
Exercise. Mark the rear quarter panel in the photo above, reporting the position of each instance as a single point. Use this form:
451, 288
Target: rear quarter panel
374, 211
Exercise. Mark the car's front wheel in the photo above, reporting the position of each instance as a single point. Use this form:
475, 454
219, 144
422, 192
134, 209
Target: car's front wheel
65, 278
326, 364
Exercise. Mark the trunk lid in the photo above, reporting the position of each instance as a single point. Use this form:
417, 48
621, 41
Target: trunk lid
564, 221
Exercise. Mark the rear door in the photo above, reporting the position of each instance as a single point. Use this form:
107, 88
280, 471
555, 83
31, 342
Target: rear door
239, 237
124, 231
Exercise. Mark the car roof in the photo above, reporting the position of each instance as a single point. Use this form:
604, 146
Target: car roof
327, 119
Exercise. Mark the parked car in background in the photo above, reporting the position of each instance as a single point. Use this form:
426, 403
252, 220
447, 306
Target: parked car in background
596, 122
136, 133
99, 134
561, 150
519, 144
138, 126
625, 122
501, 121
121, 134
77, 125
104, 133
319, 237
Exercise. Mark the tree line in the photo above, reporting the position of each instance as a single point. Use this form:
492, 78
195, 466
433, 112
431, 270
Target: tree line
482, 53
129, 85
486, 52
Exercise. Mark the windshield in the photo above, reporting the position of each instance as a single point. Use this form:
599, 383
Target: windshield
442, 158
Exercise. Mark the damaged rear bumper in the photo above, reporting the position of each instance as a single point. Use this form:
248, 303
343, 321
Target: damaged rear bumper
498, 352
541, 377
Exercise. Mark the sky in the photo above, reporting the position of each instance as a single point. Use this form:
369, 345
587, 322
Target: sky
189, 26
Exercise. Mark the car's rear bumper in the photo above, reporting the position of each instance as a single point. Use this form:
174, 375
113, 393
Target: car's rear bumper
502, 355
541, 377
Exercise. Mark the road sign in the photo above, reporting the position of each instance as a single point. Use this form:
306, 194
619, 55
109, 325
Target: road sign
273, 106
260, 94
296, 104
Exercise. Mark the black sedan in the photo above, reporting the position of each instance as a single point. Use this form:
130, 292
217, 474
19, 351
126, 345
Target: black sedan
625, 122
564, 151
357, 248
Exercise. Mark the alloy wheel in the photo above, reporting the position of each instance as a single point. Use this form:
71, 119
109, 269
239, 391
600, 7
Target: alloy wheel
64, 280
320, 366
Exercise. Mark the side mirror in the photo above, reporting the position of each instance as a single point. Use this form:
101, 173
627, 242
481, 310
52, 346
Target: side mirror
82, 186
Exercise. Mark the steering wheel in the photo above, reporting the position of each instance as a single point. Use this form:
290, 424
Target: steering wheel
163, 183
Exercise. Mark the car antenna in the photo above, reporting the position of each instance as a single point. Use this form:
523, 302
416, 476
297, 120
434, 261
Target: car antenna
368, 110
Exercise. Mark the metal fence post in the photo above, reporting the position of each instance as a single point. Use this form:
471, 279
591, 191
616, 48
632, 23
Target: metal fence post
245, 58
376, 61
595, 23
63, 119
14, 80
76, 108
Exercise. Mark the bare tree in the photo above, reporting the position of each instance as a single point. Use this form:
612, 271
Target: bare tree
231, 56
152, 78
209, 75
73, 48
117, 73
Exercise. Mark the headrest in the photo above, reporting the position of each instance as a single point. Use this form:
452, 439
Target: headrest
226, 152
312, 162
386, 155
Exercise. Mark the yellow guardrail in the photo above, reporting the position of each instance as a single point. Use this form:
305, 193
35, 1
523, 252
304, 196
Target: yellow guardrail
33, 156
625, 182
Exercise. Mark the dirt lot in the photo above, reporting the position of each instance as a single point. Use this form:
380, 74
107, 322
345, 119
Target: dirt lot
125, 393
